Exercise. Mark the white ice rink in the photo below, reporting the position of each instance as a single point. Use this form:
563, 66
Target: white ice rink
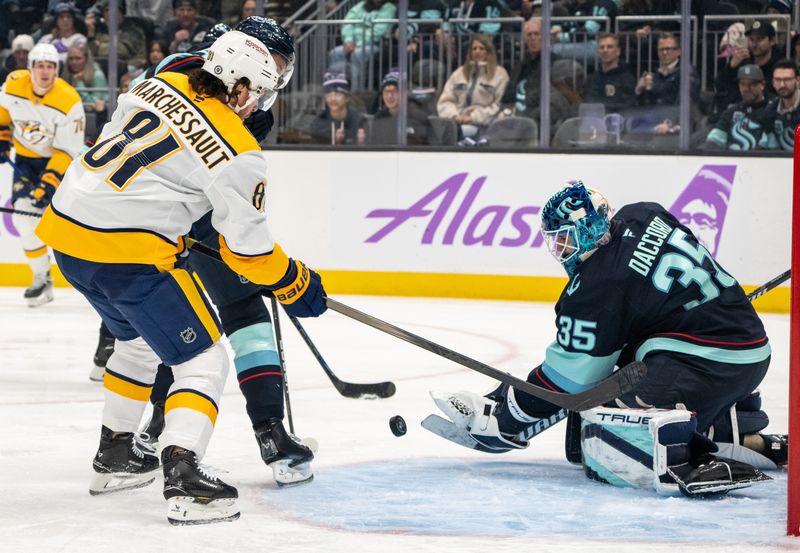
372, 492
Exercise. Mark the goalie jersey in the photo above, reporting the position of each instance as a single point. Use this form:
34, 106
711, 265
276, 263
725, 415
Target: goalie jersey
653, 287
50, 126
167, 157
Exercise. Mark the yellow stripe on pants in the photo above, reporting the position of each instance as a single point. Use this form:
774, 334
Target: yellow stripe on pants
136, 392
192, 293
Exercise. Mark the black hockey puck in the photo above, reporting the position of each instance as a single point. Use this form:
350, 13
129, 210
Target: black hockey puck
398, 426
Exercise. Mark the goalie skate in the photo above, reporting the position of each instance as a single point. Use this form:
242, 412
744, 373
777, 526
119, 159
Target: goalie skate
122, 463
716, 476
288, 457
193, 495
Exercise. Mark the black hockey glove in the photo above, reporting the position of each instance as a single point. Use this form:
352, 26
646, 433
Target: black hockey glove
300, 291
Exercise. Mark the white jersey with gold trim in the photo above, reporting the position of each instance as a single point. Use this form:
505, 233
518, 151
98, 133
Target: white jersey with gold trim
167, 157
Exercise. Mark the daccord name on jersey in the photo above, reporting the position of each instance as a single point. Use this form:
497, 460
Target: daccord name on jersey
649, 246
174, 108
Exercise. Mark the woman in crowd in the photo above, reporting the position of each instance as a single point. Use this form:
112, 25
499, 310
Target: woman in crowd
64, 34
83, 73
471, 96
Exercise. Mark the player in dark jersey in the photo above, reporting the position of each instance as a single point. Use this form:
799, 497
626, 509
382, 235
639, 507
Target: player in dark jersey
641, 287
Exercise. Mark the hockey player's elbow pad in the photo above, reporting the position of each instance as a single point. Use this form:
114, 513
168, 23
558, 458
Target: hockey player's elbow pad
300, 291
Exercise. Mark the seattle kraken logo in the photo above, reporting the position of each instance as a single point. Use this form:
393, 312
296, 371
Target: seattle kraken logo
188, 335
574, 285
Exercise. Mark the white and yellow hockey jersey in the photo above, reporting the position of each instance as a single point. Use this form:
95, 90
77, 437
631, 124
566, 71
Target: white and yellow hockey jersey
50, 126
167, 157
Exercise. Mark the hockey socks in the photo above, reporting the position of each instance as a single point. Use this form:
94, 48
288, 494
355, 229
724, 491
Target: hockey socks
258, 371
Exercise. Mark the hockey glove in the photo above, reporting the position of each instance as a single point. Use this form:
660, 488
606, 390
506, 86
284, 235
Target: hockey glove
42, 193
300, 291
477, 415
5, 143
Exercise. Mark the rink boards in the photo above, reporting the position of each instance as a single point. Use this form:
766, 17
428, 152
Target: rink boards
466, 224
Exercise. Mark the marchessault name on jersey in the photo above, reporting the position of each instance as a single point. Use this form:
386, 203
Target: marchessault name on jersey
649, 246
175, 108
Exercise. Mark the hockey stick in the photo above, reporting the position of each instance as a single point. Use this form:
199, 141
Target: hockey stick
353, 390
347, 389
766, 287
19, 212
278, 338
619, 383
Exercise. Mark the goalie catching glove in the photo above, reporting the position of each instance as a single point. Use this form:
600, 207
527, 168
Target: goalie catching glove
300, 291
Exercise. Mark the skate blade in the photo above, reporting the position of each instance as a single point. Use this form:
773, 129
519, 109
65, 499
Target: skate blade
184, 510
286, 476
40, 300
97, 374
110, 482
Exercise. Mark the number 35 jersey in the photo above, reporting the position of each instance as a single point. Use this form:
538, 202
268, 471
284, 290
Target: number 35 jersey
166, 158
654, 287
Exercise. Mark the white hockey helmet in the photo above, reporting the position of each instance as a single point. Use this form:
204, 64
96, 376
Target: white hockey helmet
234, 56
43, 52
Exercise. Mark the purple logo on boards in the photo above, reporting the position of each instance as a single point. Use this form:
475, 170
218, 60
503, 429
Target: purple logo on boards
448, 215
703, 204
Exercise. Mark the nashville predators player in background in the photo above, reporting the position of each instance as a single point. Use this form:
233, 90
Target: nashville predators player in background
175, 148
43, 117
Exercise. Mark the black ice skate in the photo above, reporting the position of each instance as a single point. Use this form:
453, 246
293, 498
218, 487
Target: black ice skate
155, 427
710, 476
194, 496
289, 459
776, 448
41, 291
122, 463
105, 347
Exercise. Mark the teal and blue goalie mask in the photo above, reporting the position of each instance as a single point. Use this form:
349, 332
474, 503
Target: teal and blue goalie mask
575, 222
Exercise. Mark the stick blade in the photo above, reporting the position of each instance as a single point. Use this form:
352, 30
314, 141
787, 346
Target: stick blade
379, 390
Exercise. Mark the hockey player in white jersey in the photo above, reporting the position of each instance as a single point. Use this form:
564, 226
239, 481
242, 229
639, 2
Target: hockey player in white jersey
174, 149
42, 117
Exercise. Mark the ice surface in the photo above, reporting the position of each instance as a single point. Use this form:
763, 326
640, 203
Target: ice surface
372, 491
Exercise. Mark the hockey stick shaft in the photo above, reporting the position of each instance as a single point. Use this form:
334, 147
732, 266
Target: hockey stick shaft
279, 339
612, 387
19, 212
766, 287
347, 389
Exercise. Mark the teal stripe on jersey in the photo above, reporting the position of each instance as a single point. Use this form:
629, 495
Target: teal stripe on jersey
734, 357
573, 371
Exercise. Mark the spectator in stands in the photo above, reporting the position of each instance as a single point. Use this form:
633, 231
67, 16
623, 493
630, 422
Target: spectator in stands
131, 38
157, 11
523, 90
779, 7
187, 28
795, 49
339, 123
613, 83
384, 124
757, 51
86, 76
64, 35
472, 94
785, 108
156, 52
426, 76
745, 125
125, 82
420, 32
248, 9
662, 87
360, 42
578, 39
18, 59
475, 9
567, 79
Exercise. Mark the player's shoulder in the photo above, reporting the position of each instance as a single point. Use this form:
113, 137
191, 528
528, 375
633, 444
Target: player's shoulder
225, 122
641, 212
18, 83
62, 97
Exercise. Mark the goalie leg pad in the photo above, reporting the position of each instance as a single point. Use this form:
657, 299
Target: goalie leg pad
659, 450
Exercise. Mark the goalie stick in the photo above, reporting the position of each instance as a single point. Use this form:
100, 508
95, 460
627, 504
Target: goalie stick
619, 383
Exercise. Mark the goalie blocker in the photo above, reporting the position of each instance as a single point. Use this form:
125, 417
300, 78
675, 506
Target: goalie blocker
659, 450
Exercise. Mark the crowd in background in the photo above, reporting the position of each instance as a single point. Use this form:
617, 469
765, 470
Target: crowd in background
463, 88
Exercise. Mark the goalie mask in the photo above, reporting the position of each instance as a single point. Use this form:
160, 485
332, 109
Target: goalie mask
575, 222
